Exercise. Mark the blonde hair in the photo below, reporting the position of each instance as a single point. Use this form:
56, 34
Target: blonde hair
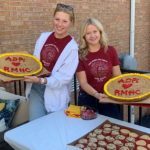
83, 46
67, 9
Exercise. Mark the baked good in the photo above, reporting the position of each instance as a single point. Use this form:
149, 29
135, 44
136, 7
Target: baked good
107, 130
118, 143
115, 127
124, 148
148, 146
79, 146
92, 145
98, 131
19, 64
92, 135
101, 148
130, 145
141, 143
87, 148
107, 125
132, 134
109, 138
100, 137
120, 137
111, 146
102, 143
128, 87
145, 137
93, 139
141, 148
125, 131
83, 141
130, 139
115, 132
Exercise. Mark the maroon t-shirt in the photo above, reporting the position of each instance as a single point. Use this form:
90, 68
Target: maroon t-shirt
52, 49
98, 67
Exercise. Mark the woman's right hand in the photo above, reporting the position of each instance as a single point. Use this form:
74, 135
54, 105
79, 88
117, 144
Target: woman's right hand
101, 96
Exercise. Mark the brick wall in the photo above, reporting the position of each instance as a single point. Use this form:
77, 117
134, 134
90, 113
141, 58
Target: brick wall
21, 22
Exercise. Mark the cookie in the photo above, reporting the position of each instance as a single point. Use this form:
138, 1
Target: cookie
120, 137
98, 131
130, 139
111, 146
102, 143
124, 131
145, 137
118, 143
141, 143
83, 141
100, 137
124, 148
141, 148
132, 134
79, 146
130, 145
109, 138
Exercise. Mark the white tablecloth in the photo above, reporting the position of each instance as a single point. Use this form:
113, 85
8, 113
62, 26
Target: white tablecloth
55, 131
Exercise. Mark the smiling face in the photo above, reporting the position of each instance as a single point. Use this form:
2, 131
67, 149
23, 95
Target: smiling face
92, 35
61, 24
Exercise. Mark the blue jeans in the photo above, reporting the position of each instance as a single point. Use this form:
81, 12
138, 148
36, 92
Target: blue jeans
36, 102
110, 110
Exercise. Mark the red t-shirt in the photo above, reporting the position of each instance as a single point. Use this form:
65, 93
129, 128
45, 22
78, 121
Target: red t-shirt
52, 49
98, 67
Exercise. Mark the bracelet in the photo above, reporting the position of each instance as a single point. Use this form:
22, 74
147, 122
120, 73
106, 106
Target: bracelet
42, 80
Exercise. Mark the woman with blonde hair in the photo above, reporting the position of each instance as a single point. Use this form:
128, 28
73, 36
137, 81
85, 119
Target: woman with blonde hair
58, 52
98, 63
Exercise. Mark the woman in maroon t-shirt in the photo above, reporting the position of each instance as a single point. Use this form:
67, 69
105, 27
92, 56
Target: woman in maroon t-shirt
98, 63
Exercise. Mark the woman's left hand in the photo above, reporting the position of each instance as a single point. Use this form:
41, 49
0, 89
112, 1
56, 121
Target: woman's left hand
32, 79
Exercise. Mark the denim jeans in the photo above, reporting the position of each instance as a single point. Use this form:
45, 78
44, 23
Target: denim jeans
110, 110
36, 102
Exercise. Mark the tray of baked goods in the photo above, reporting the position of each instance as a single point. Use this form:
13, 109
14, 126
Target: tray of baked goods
111, 136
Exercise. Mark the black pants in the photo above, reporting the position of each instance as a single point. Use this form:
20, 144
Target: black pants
110, 110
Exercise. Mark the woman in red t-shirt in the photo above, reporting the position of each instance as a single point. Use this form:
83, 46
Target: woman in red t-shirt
98, 63
58, 52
